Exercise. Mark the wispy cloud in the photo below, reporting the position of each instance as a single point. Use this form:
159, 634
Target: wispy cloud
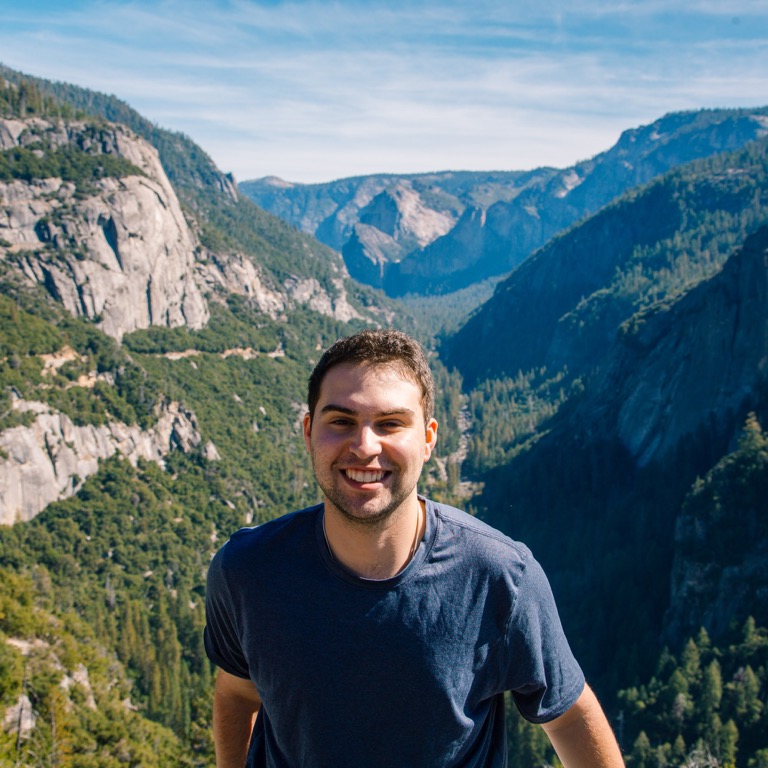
312, 90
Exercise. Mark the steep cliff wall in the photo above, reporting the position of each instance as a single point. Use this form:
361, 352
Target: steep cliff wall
118, 249
115, 250
703, 360
49, 459
394, 223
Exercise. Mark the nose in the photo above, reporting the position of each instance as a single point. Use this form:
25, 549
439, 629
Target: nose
365, 442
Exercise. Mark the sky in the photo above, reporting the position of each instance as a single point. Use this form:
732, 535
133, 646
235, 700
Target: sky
312, 91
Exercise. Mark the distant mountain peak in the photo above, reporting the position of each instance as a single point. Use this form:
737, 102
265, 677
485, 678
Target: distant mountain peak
276, 181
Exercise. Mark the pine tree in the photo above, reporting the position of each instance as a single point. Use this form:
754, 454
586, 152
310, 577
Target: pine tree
728, 740
711, 692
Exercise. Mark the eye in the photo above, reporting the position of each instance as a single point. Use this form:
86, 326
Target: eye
340, 421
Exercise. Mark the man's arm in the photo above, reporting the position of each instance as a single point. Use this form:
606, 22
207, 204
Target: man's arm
236, 703
582, 736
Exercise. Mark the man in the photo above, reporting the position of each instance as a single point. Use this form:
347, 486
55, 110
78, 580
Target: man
379, 628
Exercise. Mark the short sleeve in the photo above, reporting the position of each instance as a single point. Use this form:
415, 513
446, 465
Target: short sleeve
543, 676
222, 638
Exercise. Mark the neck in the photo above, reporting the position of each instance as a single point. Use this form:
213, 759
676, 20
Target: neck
378, 552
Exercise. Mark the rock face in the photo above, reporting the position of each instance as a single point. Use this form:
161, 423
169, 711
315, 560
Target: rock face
120, 251
516, 213
691, 369
237, 274
121, 254
394, 223
400, 213
50, 459
615, 464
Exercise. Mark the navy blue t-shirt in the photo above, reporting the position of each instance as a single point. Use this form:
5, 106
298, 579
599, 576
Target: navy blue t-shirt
409, 671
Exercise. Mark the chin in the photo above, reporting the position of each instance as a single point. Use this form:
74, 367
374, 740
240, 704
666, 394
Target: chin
371, 519
361, 515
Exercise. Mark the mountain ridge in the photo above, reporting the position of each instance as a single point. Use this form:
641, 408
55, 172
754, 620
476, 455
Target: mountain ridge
564, 304
513, 212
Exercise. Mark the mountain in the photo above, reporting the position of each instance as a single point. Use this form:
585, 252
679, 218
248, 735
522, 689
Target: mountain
156, 332
599, 488
479, 225
562, 307
330, 211
254, 253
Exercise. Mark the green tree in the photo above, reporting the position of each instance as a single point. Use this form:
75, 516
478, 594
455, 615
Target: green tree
711, 692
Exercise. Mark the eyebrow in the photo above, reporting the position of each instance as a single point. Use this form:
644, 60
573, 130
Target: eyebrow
331, 407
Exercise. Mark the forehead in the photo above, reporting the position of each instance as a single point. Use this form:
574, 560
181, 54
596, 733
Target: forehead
365, 384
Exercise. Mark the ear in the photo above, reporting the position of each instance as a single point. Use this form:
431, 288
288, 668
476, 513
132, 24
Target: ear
307, 430
431, 438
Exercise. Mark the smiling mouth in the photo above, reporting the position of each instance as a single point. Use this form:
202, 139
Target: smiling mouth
365, 475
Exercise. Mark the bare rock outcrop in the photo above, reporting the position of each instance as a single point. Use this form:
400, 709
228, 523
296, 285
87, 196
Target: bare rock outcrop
392, 225
400, 213
49, 459
120, 252
237, 274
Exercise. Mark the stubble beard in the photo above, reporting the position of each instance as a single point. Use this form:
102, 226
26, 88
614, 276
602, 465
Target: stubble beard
351, 512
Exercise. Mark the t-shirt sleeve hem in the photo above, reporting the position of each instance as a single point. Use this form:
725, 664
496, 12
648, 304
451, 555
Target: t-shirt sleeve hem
221, 661
563, 706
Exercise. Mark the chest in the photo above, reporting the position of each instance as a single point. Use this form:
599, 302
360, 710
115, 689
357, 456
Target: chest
326, 638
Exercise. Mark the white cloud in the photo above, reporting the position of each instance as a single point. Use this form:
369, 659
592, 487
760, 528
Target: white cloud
314, 90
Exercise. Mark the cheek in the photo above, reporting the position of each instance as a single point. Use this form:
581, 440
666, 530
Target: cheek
324, 445
411, 451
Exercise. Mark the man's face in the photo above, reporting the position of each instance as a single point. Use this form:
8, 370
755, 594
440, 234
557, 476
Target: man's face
368, 441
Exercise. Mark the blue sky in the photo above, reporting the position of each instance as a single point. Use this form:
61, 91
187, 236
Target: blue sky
314, 91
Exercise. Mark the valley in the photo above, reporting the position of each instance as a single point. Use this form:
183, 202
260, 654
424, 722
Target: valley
599, 339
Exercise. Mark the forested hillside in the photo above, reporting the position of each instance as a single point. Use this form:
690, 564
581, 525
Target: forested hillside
563, 306
605, 489
607, 406
103, 589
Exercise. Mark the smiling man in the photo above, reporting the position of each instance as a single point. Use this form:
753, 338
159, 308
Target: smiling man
380, 628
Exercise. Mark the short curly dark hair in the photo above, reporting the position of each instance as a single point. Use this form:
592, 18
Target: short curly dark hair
377, 347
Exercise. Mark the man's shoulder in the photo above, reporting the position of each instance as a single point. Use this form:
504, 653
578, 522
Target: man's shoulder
245, 543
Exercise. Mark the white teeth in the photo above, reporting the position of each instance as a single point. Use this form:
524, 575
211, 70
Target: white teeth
364, 476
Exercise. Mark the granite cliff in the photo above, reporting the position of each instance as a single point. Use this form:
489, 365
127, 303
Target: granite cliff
51, 458
616, 473
117, 250
682, 381
120, 251
694, 368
